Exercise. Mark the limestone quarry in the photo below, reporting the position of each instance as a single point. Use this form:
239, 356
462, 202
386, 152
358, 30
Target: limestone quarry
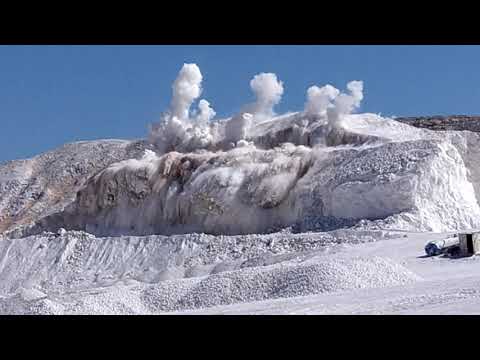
241, 214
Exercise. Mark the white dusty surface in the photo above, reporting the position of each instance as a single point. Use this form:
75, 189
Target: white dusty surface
87, 275
445, 286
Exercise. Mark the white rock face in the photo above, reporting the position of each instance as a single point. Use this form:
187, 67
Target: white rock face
33, 188
426, 181
377, 169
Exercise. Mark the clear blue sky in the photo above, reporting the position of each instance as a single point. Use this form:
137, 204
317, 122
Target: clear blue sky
51, 95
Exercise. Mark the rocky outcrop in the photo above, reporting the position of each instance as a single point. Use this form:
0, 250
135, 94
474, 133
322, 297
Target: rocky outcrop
440, 122
378, 169
294, 171
33, 188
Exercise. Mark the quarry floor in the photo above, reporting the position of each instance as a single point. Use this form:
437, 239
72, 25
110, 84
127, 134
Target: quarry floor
389, 276
447, 286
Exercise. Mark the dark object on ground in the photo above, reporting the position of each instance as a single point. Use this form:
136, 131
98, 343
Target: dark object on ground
438, 247
453, 252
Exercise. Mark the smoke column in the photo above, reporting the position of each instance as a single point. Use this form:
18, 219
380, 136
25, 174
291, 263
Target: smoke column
319, 98
186, 88
328, 100
176, 129
206, 113
181, 129
268, 91
345, 104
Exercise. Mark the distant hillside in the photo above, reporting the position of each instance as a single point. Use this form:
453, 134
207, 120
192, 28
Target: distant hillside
439, 122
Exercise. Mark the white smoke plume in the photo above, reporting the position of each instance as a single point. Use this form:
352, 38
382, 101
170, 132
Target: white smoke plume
319, 98
328, 101
268, 91
347, 103
178, 129
186, 88
184, 129
237, 127
206, 113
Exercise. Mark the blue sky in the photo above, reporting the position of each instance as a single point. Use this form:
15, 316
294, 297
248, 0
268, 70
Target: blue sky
51, 95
